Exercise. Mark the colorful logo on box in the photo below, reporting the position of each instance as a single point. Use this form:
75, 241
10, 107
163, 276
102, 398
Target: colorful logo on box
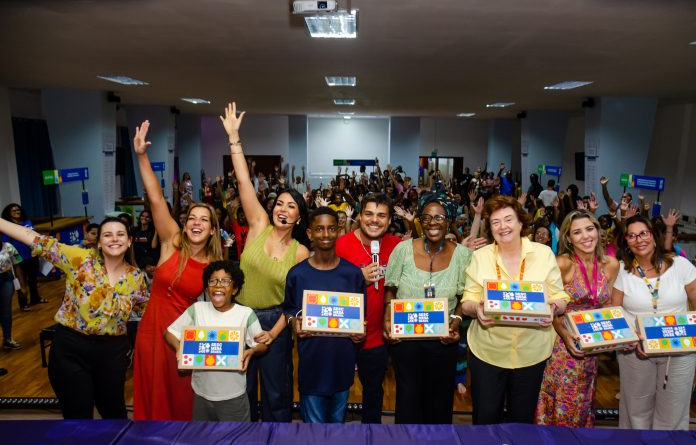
669, 331
602, 325
419, 317
211, 348
333, 312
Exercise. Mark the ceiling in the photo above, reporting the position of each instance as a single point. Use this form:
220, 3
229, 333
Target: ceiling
411, 57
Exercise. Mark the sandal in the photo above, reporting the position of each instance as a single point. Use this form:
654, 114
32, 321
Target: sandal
41, 301
26, 309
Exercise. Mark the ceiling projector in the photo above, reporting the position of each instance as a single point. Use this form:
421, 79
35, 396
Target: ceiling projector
313, 6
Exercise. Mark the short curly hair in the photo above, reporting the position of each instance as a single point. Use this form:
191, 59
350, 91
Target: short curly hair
501, 202
230, 268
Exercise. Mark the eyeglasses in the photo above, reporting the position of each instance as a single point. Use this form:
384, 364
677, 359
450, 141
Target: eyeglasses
224, 282
631, 237
425, 219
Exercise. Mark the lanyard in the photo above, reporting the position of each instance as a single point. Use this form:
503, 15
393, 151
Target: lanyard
432, 256
592, 286
497, 267
655, 291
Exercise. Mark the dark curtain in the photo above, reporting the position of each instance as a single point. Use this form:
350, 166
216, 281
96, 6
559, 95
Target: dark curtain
34, 155
124, 163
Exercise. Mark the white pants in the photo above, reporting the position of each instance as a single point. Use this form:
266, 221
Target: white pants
645, 403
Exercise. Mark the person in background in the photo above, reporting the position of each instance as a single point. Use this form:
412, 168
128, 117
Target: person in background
185, 191
588, 276
9, 270
428, 267
547, 196
220, 395
91, 232
89, 354
273, 245
15, 214
655, 391
326, 364
535, 187
145, 242
159, 391
298, 182
507, 362
542, 235
355, 247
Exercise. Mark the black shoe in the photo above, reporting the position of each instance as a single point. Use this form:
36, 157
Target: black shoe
3, 371
10, 344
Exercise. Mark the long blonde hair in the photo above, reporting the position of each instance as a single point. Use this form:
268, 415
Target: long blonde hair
213, 247
564, 245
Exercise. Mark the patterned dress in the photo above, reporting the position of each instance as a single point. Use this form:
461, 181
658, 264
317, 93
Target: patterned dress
569, 384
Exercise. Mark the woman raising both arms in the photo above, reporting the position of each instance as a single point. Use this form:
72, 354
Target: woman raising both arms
159, 391
273, 246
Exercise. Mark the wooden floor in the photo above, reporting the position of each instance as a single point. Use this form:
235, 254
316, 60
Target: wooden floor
26, 377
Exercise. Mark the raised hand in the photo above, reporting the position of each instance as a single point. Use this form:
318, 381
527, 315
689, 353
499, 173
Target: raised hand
624, 205
593, 205
349, 212
321, 202
472, 196
139, 143
231, 121
580, 204
632, 211
672, 216
603, 180
522, 199
478, 207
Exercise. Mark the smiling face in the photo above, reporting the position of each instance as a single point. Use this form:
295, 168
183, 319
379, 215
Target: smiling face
640, 240
222, 290
505, 226
286, 211
542, 235
434, 222
199, 226
113, 239
145, 218
91, 236
374, 221
323, 232
583, 235
16, 213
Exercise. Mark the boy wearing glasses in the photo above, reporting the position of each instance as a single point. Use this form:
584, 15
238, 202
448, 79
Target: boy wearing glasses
220, 395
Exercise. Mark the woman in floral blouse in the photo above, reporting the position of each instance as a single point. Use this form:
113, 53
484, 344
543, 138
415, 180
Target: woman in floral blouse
88, 358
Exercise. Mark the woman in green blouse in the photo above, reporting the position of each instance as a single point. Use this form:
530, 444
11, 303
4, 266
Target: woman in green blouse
428, 267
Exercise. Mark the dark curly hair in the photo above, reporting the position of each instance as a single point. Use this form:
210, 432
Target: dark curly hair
625, 253
8, 209
230, 268
299, 232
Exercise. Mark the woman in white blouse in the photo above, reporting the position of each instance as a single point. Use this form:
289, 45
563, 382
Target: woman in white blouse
656, 391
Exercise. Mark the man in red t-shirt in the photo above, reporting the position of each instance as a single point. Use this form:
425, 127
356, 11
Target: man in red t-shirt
374, 219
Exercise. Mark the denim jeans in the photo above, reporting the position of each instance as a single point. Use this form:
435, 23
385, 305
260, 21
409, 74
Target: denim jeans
324, 409
274, 372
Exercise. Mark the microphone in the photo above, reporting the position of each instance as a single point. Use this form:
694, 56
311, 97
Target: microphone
374, 249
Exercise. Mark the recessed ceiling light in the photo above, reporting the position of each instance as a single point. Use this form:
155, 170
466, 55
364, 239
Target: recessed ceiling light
693, 43
123, 80
195, 100
333, 25
568, 85
341, 81
466, 115
344, 101
347, 117
346, 113
500, 105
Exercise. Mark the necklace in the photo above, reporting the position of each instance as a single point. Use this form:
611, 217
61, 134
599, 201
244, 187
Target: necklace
497, 266
592, 286
432, 256
369, 255
654, 291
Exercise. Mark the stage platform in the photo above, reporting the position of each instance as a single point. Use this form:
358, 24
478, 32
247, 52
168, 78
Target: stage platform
117, 432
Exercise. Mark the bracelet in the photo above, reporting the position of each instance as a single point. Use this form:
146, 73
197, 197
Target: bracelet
236, 152
455, 316
237, 142
290, 318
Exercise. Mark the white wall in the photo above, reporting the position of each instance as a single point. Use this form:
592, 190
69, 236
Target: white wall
9, 185
574, 142
467, 138
260, 134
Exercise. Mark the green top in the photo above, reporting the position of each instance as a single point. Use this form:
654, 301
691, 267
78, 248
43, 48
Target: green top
264, 277
403, 273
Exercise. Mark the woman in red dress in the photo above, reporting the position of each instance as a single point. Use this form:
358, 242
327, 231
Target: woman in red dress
160, 392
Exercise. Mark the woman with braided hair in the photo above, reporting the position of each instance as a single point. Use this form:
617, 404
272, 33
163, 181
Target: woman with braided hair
427, 267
